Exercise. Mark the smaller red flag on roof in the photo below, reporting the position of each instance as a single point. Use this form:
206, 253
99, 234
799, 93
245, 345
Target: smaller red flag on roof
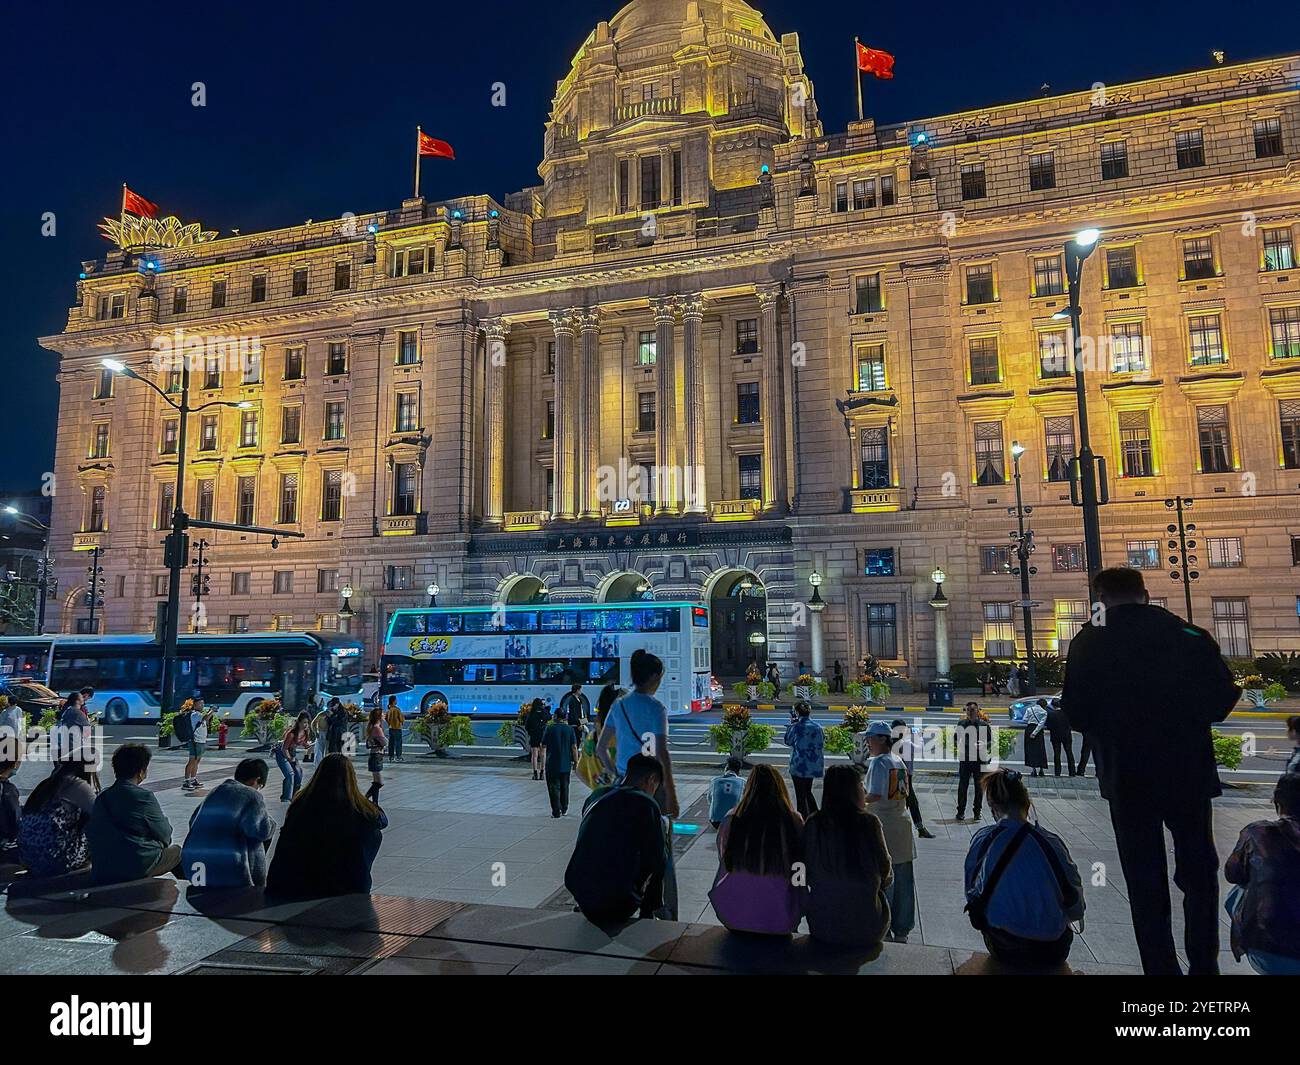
433, 146
874, 61
137, 204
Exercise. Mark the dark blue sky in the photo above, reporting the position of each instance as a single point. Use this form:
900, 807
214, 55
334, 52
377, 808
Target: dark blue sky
311, 109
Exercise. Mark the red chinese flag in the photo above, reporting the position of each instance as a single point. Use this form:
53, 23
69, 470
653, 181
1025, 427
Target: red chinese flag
137, 204
874, 61
433, 146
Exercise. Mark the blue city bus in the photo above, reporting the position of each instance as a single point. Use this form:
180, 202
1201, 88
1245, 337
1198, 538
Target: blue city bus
490, 659
233, 671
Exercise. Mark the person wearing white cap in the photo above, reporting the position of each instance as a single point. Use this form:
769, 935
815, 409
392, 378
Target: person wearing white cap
886, 788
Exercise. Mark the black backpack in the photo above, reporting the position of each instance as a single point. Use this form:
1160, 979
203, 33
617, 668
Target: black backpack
183, 726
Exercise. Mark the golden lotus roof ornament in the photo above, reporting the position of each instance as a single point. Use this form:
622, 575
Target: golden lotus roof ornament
131, 231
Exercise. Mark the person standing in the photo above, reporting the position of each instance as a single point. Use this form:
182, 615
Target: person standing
296, 737
774, 678
837, 677
904, 743
338, 725
396, 722
638, 721
1058, 729
560, 744
572, 712
1293, 734
320, 726
376, 742
1145, 686
1036, 738
806, 741
535, 723
974, 742
200, 716
886, 788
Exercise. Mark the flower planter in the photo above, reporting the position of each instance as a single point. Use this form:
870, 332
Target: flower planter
861, 752
167, 742
751, 692
1254, 696
802, 692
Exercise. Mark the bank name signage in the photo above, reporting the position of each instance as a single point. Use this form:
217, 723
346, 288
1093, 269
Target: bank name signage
622, 541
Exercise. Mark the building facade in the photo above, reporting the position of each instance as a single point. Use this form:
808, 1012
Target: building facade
717, 350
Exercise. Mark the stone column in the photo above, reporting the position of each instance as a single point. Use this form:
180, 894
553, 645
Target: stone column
775, 494
692, 310
668, 480
815, 635
494, 442
565, 325
588, 451
941, 662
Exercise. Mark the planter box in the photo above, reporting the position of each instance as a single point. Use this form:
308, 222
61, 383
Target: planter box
802, 692
167, 741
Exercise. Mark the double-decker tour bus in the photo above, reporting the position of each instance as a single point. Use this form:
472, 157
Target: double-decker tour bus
232, 671
490, 659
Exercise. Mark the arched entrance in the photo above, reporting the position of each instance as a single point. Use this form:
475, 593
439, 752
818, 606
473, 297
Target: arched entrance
624, 587
521, 589
737, 622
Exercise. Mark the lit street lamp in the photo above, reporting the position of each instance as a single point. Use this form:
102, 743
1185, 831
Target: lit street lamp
346, 613
433, 593
1024, 548
941, 686
816, 604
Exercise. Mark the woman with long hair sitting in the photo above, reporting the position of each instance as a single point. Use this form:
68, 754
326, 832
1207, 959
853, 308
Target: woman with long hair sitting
759, 844
52, 833
847, 863
330, 837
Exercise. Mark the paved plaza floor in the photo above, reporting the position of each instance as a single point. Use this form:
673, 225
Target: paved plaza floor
472, 832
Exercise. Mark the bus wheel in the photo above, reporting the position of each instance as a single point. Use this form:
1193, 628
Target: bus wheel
430, 699
116, 713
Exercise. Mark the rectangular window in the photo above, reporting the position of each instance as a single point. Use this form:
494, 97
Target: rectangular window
1121, 267
104, 384
1295, 553
288, 498
291, 425
1071, 616
327, 580
864, 193
871, 368
246, 501
1268, 137
882, 630
746, 336
257, 291
651, 196
984, 361
342, 277
1054, 356
1214, 439
331, 508
99, 441
1049, 276
748, 410
1224, 551
180, 300
1288, 412
841, 196
300, 281
293, 364
207, 495
166, 504
623, 196
1114, 160
646, 347
335, 419
995, 559
1143, 554
1059, 435
972, 181
241, 583
1205, 340
1279, 249
336, 359
238, 623
999, 631
117, 307
750, 469
548, 426
549, 491
404, 485
1127, 350
550, 359
252, 374
1232, 627
979, 283
1135, 443
869, 299
408, 412
1042, 171
878, 562
218, 295
645, 412
208, 432
873, 451
399, 578
281, 622
677, 176
170, 432
1198, 259
408, 348
95, 512
990, 457
887, 197
1284, 332
160, 584
212, 372
248, 428
1189, 146
1067, 558
282, 582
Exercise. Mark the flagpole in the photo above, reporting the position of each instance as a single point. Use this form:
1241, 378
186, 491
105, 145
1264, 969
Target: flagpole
857, 74
417, 162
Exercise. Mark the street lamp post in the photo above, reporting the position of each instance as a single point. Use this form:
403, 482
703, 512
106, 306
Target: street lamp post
1086, 490
816, 604
432, 589
939, 601
1024, 548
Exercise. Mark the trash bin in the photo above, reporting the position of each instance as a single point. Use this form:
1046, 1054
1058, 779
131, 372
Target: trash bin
941, 693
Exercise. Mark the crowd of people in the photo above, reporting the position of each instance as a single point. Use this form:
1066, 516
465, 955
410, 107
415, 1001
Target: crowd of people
845, 865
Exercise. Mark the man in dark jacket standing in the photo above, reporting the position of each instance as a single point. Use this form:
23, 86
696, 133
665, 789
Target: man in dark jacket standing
1058, 730
1144, 687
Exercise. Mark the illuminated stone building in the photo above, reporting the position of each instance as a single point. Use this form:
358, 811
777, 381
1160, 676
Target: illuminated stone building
833, 338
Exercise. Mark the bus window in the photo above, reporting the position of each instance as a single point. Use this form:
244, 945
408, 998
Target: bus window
17, 660
484, 621
442, 623
397, 676
480, 672
408, 625
602, 671
343, 674
521, 621
515, 672
438, 672
70, 673
551, 671
558, 621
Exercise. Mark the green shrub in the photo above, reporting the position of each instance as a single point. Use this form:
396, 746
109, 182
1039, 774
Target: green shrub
1282, 667
506, 733
855, 690
757, 738
1049, 669
1274, 692
855, 718
837, 739
1227, 749
965, 674
741, 689
456, 731
766, 689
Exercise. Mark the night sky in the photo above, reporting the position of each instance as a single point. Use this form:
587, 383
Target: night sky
311, 112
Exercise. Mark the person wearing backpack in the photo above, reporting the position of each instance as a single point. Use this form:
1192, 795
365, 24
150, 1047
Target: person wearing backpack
1022, 887
191, 728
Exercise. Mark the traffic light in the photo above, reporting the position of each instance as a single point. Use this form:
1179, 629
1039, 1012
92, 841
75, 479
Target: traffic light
176, 553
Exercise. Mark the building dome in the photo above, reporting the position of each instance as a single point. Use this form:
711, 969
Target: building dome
646, 22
